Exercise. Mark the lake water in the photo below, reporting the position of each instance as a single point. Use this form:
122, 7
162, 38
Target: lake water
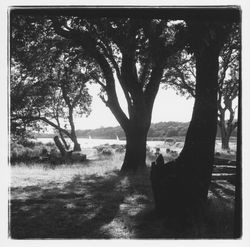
89, 143
92, 142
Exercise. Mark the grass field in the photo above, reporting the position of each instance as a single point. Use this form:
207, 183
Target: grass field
93, 201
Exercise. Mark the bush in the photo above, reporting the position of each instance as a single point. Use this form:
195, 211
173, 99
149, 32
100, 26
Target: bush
105, 149
21, 153
117, 147
50, 144
120, 149
16, 151
27, 143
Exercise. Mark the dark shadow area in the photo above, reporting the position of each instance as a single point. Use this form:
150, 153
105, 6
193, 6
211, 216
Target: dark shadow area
77, 210
112, 206
215, 220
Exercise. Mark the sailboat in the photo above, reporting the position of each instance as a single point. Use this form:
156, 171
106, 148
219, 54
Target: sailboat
90, 137
117, 138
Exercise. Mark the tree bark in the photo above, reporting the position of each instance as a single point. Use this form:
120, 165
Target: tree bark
63, 140
194, 165
225, 137
135, 156
60, 146
226, 127
77, 146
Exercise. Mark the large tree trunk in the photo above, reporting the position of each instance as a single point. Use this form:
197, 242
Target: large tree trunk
135, 156
186, 186
194, 165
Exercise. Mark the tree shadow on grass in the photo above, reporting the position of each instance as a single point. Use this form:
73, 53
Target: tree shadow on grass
108, 206
79, 209
215, 221
146, 223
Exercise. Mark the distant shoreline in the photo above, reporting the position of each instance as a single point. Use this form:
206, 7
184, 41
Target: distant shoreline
176, 138
157, 131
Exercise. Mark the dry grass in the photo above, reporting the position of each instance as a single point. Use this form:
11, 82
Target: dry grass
92, 200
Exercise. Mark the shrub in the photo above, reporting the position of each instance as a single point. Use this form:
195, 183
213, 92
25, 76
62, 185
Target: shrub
50, 144
120, 149
21, 153
28, 143
16, 151
107, 151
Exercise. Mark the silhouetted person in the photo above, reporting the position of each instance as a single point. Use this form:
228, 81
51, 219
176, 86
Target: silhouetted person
159, 158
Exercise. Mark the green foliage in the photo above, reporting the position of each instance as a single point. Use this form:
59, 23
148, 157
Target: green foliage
106, 151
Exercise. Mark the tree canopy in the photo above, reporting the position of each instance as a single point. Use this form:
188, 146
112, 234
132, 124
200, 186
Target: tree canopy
48, 79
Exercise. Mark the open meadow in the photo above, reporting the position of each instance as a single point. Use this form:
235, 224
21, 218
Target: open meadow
92, 200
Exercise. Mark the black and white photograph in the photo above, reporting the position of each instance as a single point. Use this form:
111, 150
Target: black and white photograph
125, 122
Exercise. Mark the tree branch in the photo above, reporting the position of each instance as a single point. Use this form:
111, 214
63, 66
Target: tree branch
44, 119
153, 85
181, 76
85, 40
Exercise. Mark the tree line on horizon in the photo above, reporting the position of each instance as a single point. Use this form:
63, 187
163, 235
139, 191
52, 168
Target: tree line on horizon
159, 130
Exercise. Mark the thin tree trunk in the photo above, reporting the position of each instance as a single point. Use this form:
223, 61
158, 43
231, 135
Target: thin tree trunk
226, 133
225, 141
60, 146
77, 146
63, 140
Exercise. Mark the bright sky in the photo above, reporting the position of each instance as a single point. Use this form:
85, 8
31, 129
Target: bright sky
167, 107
